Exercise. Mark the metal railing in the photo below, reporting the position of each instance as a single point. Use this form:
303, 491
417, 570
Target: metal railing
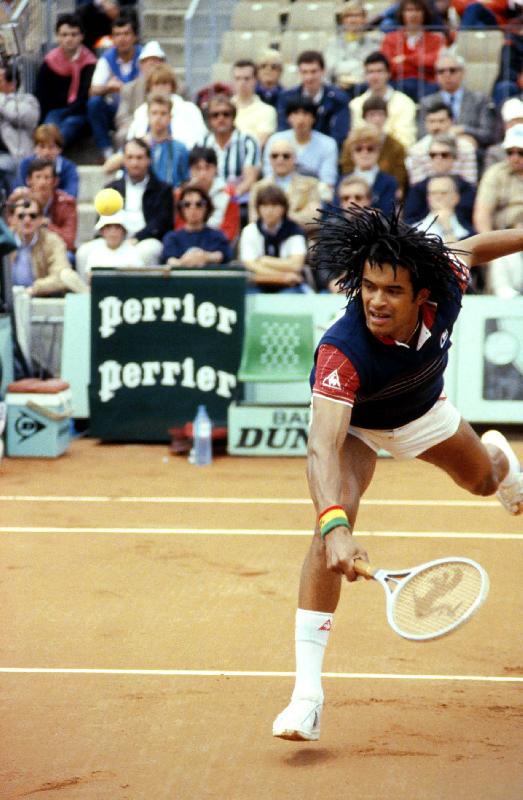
26, 35
205, 23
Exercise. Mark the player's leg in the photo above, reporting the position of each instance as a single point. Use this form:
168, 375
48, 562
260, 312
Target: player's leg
318, 597
482, 466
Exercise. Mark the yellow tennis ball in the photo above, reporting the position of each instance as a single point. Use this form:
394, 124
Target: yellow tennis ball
108, 201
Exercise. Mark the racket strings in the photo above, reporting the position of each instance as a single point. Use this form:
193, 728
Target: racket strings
437, 599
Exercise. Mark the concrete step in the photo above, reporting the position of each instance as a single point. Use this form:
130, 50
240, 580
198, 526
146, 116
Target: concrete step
87, 217
174, 48
168, 22
92, 179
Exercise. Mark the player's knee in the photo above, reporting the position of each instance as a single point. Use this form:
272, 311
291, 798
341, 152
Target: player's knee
484, 485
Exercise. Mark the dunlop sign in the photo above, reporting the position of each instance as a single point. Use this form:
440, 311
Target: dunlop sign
160, 345
256, 430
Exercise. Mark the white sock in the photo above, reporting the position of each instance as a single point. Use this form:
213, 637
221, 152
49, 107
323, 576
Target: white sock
312, 634
497, 439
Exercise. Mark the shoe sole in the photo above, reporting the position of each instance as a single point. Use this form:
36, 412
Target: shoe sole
296, 736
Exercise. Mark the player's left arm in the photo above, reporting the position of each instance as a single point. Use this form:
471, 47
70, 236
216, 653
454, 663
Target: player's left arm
487, 246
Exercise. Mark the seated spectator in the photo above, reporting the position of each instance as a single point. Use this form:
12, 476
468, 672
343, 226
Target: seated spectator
499, 201
96, 18
505, 275
59, 208
169, 158
48, 144
511, 114
203, 169
40, 263
438, 120
148, 202
196, 244
412, 50
187, 125
509, 81
442, 199
363, 144
392, 154
273, 249
116, 66
63, 80
316, 153
269, 66
302, 191
346, 52
401, 110
253, 116
486, 13
472, 112
132, 93
110, 249
19, 113
238, 153
332, 113
351, 192
443, 156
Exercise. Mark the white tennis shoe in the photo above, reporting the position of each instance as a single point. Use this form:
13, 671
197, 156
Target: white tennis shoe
509, 494
300, 721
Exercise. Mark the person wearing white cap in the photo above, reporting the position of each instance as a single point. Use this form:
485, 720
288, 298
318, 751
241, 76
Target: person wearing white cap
111, 249
499, 200
511, 114
132, 94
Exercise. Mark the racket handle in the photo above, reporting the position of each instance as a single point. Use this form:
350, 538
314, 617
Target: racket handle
364, 568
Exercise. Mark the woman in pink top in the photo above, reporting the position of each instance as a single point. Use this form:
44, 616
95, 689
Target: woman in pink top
412, 50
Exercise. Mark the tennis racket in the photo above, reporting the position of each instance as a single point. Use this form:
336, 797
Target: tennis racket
430, 600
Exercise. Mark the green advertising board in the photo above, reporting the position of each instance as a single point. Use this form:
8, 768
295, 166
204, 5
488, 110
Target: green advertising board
161, 343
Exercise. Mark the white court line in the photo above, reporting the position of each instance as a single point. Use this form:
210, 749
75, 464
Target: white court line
252, 532
206, 673
261, 501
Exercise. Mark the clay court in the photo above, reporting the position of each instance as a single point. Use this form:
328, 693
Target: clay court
147, 636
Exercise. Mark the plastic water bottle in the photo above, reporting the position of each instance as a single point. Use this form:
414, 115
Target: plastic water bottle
202, 438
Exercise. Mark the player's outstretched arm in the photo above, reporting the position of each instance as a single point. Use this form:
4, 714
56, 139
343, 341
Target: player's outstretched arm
490, 245
330, 423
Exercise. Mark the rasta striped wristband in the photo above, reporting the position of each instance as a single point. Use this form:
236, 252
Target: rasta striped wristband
331, 518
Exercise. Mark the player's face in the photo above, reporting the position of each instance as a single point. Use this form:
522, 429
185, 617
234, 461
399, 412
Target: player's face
389, 303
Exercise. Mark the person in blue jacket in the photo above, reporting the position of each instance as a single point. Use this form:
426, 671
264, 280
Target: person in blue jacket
48, 144
196, 244
332, 103
378, 383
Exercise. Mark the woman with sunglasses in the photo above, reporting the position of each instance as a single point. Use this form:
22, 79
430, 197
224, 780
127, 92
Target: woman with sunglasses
363, 145
196, 244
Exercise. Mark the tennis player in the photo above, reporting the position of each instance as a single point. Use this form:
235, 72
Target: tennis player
378, 383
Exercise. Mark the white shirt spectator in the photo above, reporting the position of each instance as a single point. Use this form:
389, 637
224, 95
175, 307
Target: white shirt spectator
100, 255
252, 244
187, 125
506, 276
134, 205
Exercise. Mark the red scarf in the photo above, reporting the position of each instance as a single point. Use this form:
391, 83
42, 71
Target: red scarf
59, 63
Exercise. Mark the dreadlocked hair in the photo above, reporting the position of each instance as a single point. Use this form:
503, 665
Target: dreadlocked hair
348, 238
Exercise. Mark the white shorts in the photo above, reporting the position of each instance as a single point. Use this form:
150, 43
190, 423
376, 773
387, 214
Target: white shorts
410, 440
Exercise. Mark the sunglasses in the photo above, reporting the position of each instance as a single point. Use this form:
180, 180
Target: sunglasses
441, 155
216, 114
27, 214
286, 156
365, 148
450, 70
193, 204
270, 66
514, 151
352, 198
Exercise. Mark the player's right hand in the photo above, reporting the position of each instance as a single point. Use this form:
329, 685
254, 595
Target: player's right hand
341, 550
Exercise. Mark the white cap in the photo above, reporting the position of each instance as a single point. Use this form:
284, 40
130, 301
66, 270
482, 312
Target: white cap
514, 137
512, 109
112, 219
151, 50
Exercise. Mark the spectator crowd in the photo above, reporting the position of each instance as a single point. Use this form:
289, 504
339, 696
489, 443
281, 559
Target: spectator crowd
381, 117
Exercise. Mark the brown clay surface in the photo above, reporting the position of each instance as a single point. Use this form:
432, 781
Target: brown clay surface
99, 600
